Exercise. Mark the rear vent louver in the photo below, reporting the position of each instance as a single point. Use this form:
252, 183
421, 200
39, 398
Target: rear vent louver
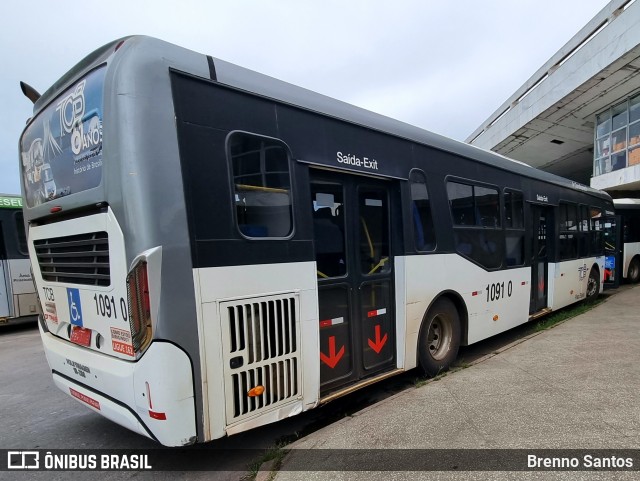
76, 259
260, 338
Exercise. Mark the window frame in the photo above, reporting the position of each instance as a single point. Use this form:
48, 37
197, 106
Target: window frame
513, 231
232, 183
477, 227
564, 230
20, 225
421, 173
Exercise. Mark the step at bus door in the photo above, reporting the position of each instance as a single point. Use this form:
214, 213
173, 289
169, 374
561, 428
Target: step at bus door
351, 219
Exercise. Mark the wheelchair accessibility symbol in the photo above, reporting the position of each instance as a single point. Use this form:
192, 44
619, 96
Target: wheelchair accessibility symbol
75, 309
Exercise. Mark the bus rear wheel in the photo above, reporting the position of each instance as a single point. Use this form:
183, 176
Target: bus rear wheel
439, 337
593, 285
633, 273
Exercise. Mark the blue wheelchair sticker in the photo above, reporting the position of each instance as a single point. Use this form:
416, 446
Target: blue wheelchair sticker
75, 309
609, 262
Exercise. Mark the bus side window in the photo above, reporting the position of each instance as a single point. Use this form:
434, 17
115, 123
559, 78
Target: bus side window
514, 227
568, 230
476, 219
22, 236
597, 231
261, 186
423, 231
3, 254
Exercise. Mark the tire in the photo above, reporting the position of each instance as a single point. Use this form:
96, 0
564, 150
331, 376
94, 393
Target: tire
633, 272
439, 337
593, 285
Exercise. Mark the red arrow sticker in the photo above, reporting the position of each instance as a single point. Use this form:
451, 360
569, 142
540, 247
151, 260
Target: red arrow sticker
332, 359
379, 343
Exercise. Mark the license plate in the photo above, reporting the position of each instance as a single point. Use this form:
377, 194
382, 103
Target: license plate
81, 336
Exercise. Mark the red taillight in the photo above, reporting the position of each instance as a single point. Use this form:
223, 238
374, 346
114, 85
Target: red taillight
139, 306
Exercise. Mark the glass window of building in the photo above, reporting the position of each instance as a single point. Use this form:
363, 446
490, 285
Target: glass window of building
617, 137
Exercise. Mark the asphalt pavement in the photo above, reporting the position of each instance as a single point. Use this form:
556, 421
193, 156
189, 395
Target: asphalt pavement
575, 386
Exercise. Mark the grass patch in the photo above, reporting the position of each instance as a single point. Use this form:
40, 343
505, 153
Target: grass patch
275, 454
551, 320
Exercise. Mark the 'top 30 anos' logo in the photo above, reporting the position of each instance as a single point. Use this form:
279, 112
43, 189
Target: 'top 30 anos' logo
71, 109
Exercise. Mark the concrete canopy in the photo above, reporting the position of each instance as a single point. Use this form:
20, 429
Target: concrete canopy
549, 122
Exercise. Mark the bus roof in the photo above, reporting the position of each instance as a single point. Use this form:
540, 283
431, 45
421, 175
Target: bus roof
250, 81
10, 201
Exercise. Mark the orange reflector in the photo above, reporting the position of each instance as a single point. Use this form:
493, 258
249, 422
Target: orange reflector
255, 391
496, 317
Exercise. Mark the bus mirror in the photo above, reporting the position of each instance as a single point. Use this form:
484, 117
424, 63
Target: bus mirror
29, 92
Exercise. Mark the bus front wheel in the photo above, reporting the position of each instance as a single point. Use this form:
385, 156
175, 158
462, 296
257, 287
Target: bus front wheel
633, 273
593, 285
439, 337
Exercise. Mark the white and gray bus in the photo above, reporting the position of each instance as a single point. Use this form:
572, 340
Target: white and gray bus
628, 217
17, 292
223, 250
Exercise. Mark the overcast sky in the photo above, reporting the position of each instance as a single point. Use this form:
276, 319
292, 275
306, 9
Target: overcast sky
440, 65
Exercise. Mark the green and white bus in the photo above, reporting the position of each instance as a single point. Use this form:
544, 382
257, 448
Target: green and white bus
17, 292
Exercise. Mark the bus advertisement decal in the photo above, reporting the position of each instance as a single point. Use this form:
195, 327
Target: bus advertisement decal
85, 399
50, 312
121, 341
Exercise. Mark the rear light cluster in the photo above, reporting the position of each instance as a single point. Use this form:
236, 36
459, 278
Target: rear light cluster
139, 306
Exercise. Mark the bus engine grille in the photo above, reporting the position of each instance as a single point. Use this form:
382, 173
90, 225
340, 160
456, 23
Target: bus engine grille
260, 339
75, 259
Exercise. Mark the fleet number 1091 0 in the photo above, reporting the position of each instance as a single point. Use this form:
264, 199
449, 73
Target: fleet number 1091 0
497, 291
106, 306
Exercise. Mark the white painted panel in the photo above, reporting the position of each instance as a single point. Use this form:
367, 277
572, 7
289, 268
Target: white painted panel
568, 280
630, 250
218, 285
428, 276
20, 276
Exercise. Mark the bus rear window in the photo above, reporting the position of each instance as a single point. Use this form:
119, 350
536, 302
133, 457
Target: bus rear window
261, 186
61, 149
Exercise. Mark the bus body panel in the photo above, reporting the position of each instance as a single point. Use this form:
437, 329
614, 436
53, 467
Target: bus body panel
247, 327
22, 287
495, 300
101, 308
568, 280
629, 251
153, 396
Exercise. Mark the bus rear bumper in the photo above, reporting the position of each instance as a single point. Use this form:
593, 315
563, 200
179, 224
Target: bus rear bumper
107, 407
153, 396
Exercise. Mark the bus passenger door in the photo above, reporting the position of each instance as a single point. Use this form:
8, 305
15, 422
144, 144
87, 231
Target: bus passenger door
613, 251
541, 226
351, 219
